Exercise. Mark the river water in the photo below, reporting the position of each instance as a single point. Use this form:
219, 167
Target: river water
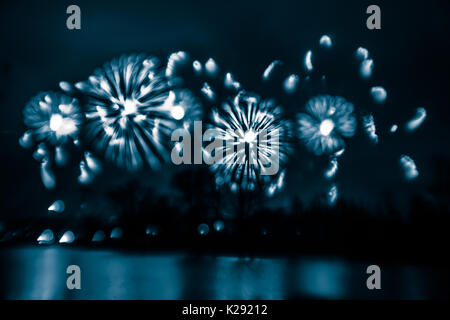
40, 273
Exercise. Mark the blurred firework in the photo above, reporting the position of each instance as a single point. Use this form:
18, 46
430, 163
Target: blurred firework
370, 128
409, 167
53, 119
186, 108
332, 195
253, 141
325, 41
130, 107
417, 120
90, 166
57, 206
327, 121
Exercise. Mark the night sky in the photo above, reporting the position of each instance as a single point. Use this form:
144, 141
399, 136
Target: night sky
410, 54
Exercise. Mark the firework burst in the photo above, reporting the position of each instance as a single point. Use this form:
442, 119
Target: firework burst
52, 118
130, 107
327, 121
253, 142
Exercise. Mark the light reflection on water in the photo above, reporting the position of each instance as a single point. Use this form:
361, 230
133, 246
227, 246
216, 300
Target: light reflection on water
324, 279
40, 273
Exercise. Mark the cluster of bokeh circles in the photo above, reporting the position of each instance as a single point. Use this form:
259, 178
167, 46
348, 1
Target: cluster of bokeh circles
127, 110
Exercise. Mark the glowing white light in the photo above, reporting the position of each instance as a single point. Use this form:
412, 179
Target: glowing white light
394, 128
325, 41
65, 108
366, 68
308, 61
62, 126
339, 152
129, 107
207, 91
211, 66
85, 176
65, 86
326, 126
46, 237
418, 119
67, 237
332, 195
57, 207
140, 118
269, 70
174, 59
331, 172
92, 163
41, 152
409, 167
379, 94
60, 156
47, 176
271, 190
197, 66
290, 84
26, 141
369, 126
170, 101
56, 121
362, 53
44, 106
219, 225
230, 82
177, 112
280, 181
150, 63
250, 136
